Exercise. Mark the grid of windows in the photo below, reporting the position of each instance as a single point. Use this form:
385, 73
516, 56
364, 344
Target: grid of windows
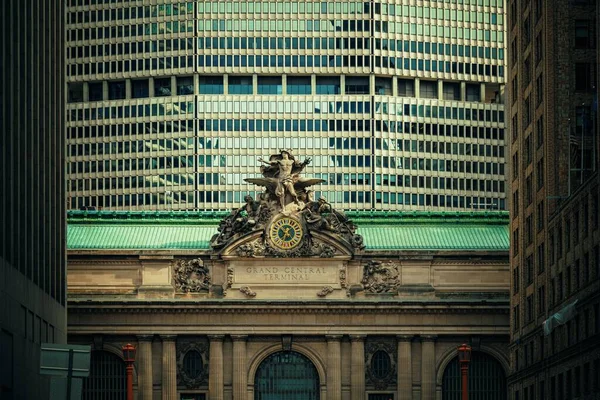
214, 85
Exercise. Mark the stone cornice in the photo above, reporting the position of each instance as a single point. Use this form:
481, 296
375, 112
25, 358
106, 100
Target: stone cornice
424, 307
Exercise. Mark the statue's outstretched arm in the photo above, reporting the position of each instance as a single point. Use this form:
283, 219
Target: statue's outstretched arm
267, 162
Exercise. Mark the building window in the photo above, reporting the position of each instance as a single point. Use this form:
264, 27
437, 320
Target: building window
541, 258
583, 77
162, 87
269, 85
584, 34
328, 85
541, 300
298, 85
428, 89
529, 309
211, 85
486, 378
95, 91
116, 90
473, 92
406, 88
357, 85
516, 280
185, 85
192, 364
383, 86
107, 379
75, 92
240, 85
451, 91
381, 365
140, 88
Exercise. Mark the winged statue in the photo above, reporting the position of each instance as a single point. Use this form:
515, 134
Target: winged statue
281, 178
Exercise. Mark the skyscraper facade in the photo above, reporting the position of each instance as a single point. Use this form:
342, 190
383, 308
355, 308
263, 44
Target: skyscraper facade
555, 185
399, 104
32, 192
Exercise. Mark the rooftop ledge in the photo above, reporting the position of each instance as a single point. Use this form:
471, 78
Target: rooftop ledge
381, 230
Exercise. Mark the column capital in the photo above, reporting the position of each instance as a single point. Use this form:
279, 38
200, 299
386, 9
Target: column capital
216, 338
333, 338
239, 338
358, 338
145, 338
168, 338
428, 338
405, 338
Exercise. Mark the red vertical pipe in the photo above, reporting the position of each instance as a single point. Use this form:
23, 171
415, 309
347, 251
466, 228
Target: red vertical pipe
129, 381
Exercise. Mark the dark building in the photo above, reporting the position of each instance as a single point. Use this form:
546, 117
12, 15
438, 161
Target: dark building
32, 200
555, 257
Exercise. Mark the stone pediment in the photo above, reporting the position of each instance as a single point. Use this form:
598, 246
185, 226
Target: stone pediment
285, 222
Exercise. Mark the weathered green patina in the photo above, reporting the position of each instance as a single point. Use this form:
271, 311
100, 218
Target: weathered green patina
391, 231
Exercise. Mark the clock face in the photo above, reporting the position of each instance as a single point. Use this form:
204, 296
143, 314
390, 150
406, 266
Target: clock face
286, 233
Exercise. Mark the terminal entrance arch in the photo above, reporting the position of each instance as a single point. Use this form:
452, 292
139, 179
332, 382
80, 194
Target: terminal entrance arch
286, 375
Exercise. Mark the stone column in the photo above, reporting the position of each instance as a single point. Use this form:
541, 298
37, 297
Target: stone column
313, 84
334, 367
428, 367
215, 368
169, 368
357, 368
404, 367
240, 381
144, 360
440, 88
284, 84
482, 92
463, 91
417, 88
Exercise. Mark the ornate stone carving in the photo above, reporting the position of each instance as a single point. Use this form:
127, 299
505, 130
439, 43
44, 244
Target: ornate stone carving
192, 379
286, 215
381, 277
247, 291
325, 291
191, 276
262, 248
381, 373
230, 273
343, 279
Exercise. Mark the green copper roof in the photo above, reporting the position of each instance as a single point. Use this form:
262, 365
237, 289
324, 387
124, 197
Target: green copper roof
106, 230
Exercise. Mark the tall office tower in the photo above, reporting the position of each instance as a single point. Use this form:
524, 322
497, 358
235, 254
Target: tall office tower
400, 103
555, 257
32, 192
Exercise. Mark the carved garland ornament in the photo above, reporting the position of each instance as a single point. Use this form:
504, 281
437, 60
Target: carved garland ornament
381, 277
247, 291
325, 291
191, 276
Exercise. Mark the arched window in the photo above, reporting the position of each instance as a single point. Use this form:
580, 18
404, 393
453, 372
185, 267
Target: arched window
381, 365
487, 380
107, 380
192, 364
286, 375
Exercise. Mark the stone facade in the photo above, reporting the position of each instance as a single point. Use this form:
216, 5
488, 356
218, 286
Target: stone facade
235, 311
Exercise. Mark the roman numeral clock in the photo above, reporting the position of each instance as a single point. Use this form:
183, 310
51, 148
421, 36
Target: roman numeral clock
286, 233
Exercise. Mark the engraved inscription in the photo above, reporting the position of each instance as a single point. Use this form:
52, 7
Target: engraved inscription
281, 274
